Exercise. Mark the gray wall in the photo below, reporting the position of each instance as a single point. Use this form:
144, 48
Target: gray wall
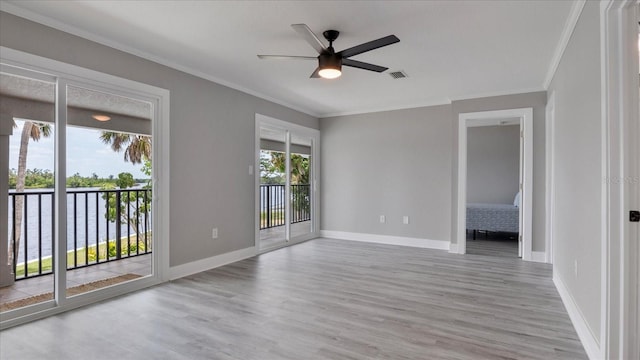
209, 122
535, 100
493, 164
577, 168
391, 163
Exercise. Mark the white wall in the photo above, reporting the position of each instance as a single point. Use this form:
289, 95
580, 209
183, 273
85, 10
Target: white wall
212, 138
493, 164
391, 163
577, 171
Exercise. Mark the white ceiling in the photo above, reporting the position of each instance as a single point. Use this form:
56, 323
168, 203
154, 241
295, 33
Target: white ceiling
449, 49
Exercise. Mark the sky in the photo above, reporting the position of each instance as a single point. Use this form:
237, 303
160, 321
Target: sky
86, 154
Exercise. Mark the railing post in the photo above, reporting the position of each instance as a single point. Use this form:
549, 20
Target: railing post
146, 221
14, 249
294, 203
25, 233
118, 230
268, 206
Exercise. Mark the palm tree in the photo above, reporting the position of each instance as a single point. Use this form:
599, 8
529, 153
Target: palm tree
137, 151
299, 166
30, 131
138, 147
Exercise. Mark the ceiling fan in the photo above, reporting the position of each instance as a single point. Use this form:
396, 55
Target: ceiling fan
329, 61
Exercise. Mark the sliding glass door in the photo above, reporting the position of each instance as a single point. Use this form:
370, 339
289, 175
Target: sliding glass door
108, 189
27, 274
273, 182
287, 197
300, 175
79, 185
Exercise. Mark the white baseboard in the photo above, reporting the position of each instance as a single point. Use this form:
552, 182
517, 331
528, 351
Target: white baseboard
453, 248
539, 256
386, 239
194, 267
589, 341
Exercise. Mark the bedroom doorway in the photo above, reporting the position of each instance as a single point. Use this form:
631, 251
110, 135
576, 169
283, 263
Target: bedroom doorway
493, 178
523, 119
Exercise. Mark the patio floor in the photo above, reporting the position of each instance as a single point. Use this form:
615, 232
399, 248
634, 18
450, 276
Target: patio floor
273, 237
22, 289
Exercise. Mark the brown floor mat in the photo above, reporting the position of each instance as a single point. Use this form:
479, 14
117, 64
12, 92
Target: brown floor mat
70, 292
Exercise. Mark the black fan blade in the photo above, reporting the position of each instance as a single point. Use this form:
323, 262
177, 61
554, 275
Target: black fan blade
286, 57
315, 74
363, 65
310, 37
368, 46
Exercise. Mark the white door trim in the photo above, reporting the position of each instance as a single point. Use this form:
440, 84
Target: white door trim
550, 177
621, 181
482, 118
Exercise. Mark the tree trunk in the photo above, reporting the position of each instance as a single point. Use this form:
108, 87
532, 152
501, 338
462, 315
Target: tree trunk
22, 167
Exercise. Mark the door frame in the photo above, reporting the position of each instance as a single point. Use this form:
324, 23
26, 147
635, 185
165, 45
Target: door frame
159, 98
314, 135
619, 316
550, 113
466, 120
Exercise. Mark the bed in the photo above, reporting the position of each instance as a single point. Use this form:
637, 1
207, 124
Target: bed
492, 217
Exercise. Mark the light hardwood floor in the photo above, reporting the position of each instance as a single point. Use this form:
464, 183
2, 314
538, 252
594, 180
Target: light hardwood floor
493, 244
323, 299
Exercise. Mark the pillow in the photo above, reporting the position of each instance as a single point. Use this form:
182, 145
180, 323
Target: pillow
516, 200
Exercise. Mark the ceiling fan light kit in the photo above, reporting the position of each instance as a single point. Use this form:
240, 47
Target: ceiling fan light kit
330, 66
330, 62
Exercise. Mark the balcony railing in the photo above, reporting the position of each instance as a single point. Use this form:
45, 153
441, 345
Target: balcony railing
272, 205
102, 226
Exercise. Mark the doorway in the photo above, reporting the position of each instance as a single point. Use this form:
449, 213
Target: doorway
493, 178
524, 117
286, 180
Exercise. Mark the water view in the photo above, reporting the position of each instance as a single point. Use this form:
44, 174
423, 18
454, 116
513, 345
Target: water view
87, 223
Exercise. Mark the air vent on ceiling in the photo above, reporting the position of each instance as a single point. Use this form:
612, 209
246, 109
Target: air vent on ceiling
398, 74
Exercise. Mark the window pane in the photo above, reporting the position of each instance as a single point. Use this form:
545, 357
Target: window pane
26, 276
272, 187
109, 238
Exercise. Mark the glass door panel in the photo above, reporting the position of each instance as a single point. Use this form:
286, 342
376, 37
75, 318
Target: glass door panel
108, 162
26, 273
273, 194
300, 171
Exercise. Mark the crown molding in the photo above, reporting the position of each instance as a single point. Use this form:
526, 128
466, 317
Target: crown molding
58, 25
569, 26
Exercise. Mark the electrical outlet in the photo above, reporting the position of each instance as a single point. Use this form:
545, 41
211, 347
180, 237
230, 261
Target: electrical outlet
405, 219
575, 267
214, 233
383, 219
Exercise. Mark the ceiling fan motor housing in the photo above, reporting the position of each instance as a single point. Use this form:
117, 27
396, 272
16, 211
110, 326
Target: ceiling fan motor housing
331, 35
